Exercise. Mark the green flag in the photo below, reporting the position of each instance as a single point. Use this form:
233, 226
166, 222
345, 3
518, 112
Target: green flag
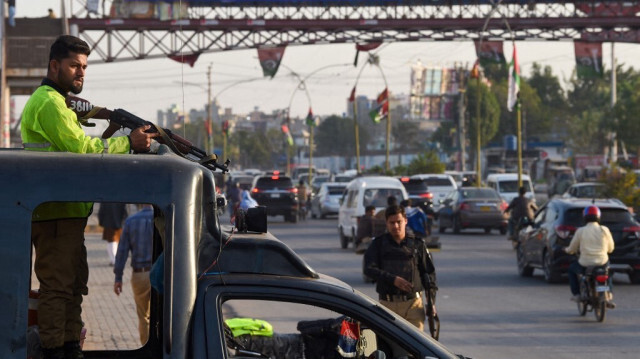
309, 120
588, 59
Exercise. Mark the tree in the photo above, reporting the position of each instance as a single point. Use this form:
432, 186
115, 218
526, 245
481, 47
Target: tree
488, 116
589, 106
426, 162
445, 134
627, 108
406, 135
336, 136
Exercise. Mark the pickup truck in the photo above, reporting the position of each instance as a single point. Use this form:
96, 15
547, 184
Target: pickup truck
211, 272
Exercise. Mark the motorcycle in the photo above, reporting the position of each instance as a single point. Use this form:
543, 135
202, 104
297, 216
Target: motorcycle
515, 228
594, 291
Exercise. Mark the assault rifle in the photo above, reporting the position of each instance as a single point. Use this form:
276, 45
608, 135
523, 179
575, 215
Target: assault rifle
120, 118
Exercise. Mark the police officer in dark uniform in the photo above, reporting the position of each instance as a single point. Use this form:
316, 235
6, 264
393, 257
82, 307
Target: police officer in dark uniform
402, 268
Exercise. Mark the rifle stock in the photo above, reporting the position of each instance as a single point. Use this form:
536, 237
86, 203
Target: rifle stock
120, 118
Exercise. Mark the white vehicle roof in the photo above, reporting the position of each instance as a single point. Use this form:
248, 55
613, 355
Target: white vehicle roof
376, 182
506, 177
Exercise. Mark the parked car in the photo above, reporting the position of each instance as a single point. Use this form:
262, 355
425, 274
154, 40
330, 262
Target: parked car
360, 193
278, 194
584, 190
327, 201
554, 226
473, 207
440, 185
418, 193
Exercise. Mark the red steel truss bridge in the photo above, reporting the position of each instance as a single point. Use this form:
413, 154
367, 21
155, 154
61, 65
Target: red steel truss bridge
221, 25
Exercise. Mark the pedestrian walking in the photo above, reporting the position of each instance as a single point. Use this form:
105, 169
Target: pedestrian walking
111, 217
402, 268
137, 238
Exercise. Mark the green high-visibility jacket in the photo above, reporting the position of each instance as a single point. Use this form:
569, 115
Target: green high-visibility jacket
244, 326
48, 125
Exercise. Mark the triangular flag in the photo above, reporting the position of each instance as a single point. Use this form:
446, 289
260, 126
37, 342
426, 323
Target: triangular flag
270, 60
514, 81
352, 97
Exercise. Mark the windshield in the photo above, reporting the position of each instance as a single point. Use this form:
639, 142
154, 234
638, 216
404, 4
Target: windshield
437, 181
415, 186
487, 193
274, 182
574, 217
335, 190
378, 196
512, 186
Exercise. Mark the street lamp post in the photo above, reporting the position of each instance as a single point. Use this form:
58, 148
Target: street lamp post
372, 60
303, 86
494, 7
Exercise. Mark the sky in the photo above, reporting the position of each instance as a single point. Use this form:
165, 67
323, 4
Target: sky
145, 86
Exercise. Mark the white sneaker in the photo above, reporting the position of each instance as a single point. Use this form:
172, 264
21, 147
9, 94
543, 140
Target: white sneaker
575, 298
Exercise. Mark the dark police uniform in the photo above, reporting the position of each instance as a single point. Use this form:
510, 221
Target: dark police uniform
410, 259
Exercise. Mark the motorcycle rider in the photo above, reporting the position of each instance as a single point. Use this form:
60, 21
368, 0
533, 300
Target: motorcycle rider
519, 207
593, 241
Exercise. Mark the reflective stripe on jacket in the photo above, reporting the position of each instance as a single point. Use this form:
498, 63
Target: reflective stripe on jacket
48, 125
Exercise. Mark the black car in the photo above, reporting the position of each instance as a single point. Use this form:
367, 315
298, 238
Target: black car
553, 228
278, 194
418, 193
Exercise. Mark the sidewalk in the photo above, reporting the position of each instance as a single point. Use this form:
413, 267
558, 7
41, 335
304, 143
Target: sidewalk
111, 320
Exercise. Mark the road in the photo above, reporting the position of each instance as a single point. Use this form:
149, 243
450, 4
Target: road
486, 309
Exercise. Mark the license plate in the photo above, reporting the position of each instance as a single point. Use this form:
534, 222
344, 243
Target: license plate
485, 208
602, 288
275, 195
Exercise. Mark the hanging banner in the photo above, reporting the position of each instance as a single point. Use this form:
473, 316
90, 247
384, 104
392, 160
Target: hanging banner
185, 59
491, 52
417, 79
588, 58
270, 60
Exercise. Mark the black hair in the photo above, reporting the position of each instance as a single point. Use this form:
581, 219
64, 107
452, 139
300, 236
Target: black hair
393, 210
65, 44
369, 208
405, 203
392, 201
522, 190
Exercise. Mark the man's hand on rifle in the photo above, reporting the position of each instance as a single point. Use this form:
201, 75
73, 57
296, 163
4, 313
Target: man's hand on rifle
140, 140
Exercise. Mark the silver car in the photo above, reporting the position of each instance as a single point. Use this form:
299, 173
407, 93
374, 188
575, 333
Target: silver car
327, 201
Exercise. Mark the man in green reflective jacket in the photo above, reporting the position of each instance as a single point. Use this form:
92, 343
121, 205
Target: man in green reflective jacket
57, 230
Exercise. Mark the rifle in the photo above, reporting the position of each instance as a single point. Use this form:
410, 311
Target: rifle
430, 293
120, 118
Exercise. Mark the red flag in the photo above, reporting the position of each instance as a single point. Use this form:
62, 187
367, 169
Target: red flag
368, 46
225, 127
185, 59
352, 97
383, 96
588, 58
270, 60
491, 52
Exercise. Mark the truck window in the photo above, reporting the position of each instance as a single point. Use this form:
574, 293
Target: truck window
114, 326
285, 329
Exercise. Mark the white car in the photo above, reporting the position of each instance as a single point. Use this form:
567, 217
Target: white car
440, 185
327, 201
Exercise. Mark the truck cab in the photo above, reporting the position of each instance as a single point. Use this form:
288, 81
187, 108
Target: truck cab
211, 272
